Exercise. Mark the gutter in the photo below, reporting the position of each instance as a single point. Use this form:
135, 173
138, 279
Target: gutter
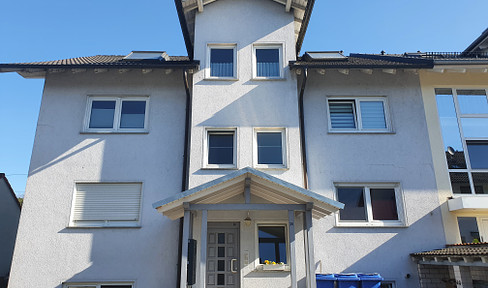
304, 76
186, 164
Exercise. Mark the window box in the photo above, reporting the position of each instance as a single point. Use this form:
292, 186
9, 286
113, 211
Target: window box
267, 62
106, 205
270, 148
358, 115
116, 114
274, 267
221, 62
372, 204
220, 148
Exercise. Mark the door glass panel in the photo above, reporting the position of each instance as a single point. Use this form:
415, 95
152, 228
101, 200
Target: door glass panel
468, 229
220, 279
221, 238
221, 252
221, 265
460, 182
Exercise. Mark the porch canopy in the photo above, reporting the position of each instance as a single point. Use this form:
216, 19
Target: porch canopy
260, 191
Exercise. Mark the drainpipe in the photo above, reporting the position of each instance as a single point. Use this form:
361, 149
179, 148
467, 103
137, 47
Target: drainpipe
186, 163
304, 75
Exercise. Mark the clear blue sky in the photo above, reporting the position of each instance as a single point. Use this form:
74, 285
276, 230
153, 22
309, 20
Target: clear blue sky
58, 29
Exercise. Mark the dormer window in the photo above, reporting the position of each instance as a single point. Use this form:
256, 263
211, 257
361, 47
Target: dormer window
222, 61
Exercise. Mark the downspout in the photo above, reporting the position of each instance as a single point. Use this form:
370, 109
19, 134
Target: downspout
186, 162
303, 77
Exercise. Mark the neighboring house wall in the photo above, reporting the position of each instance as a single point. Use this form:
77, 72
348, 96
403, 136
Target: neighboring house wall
245, 103
9, 220
429, 81
48, 251
402, 156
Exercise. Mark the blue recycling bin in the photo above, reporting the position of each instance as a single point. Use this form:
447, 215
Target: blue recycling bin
347, 280
325, 280
370, 280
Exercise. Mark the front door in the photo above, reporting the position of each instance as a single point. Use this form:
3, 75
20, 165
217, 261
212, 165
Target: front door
223, 255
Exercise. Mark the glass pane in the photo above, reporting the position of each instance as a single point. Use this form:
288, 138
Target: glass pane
268, 62
221, 62
342, 114
272, 244
384, 205
472, 102
221, 252
221, 148
221, 238
373, 114
475, 127
478, 154
270, 148
102, 114
221, 265
133, 114
353, 199
468, 229
220, 279
450, 130
460, 182
480, 181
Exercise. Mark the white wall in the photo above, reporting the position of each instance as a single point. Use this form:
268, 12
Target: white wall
47, 251
403, 156
9, 219
244, 103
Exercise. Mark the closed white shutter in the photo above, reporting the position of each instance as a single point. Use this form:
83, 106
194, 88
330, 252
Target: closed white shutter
107, 202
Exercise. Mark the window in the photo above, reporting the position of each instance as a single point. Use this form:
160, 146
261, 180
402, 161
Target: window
112, 114
387, 284
272, 244
106, 205
269, 148
221, 148
267, 61
98, 285
221, 61
364, 114
370, 205
473, 229
463, 116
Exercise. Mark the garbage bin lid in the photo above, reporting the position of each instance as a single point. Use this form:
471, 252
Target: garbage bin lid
371, 276
325, 277
347, 277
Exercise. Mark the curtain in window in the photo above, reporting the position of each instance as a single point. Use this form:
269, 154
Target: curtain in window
268, 64
222, 63
372, 114
342, 115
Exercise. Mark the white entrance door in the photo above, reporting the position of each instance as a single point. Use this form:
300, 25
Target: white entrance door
483, 223
223, 255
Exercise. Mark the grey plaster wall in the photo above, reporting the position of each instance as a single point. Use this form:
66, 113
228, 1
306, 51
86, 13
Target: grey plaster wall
48, 252
9, 220
402, 157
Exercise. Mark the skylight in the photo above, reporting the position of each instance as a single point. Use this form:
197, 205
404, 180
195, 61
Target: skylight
146, 55
326, 55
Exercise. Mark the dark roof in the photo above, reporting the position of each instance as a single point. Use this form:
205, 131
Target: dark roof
2, 176
105, 61
364, 61
477, 43
457, 250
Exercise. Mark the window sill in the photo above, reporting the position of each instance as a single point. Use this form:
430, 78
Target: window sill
221, 78
359, 132
268, 79
371, 225
115, 132
104, 227
273, 268
219, 168
271, 167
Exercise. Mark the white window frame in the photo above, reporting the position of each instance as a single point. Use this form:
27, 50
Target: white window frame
357, 114
465, 140
258, 265
97, 284
104, 223
370, 222
284, 147
211, 46
117, 114
255, 62
479, 224
214, 130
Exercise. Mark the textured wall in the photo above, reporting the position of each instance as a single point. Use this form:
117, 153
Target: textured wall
48, 252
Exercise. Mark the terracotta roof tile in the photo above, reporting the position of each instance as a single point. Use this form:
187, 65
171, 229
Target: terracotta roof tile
472, 249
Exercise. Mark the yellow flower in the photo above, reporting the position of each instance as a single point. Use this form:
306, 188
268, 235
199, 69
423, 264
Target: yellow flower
274, 263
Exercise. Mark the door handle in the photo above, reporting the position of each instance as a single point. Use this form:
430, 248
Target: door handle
232, 265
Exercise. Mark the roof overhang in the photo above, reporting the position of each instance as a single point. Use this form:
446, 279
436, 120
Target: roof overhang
473, 254
468, 204
187, 9
264, 190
